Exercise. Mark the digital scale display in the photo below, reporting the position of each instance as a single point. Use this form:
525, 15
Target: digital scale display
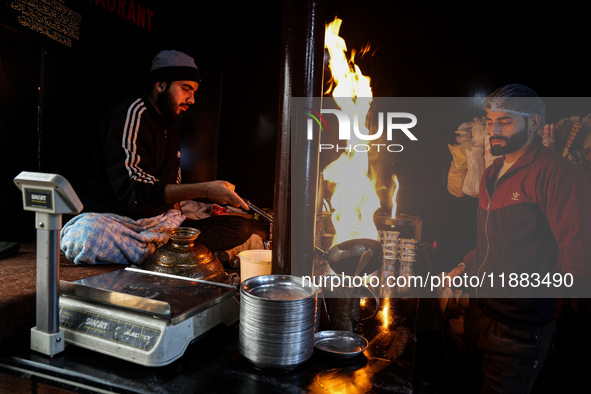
35, 198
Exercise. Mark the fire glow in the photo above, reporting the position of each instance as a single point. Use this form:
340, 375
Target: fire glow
354, 199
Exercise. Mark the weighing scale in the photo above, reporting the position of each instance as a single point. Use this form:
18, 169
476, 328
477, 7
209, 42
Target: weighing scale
145, 317
141, 316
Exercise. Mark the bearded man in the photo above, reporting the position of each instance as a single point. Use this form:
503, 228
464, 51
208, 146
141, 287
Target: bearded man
137, 163
534, 219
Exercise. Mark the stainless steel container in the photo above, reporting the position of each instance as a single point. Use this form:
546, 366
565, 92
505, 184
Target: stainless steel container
277, 321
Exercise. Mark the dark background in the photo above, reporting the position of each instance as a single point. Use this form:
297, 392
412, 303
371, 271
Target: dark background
51, 96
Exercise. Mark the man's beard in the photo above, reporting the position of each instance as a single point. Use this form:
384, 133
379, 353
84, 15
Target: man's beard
513, 143
167, 105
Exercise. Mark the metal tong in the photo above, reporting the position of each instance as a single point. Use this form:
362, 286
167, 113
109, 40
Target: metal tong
263, 214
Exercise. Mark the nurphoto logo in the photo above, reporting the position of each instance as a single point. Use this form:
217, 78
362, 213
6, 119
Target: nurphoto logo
394, 121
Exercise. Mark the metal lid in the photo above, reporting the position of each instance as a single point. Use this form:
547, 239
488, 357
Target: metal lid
277, 288
342, 344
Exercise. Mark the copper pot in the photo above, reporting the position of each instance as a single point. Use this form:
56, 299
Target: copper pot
183, 256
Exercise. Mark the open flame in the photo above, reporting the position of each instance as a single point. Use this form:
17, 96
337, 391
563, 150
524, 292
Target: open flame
350, 88
354, 199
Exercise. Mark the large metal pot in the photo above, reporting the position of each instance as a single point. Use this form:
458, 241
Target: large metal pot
183, 256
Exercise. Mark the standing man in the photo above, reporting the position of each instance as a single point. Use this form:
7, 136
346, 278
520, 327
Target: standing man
534, 217
137, 166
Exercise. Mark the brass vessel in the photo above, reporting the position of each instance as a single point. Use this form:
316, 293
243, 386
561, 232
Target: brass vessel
183, 256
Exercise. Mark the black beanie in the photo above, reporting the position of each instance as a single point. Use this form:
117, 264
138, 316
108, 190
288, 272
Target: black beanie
171, 65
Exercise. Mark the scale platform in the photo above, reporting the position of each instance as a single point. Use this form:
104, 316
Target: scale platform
141, 316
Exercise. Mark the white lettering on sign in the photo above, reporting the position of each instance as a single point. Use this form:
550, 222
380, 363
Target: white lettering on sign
50, 18
39, 197
132, 334
363, 147
137, 335
96, 323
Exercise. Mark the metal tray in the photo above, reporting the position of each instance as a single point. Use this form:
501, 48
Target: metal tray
277, 288
341, 344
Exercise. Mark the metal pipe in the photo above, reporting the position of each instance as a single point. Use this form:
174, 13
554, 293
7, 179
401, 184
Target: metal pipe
297, 157
47, 280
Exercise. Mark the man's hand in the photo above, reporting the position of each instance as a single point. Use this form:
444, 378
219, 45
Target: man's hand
223, 192
457, 271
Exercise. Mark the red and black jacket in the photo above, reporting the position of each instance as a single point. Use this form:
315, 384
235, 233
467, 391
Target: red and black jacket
536, 218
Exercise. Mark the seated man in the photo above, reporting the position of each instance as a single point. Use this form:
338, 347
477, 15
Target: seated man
137, 165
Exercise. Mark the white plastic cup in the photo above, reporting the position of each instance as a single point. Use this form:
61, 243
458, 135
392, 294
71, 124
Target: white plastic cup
254, 262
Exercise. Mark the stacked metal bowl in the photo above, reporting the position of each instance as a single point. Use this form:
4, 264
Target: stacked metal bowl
277, 321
